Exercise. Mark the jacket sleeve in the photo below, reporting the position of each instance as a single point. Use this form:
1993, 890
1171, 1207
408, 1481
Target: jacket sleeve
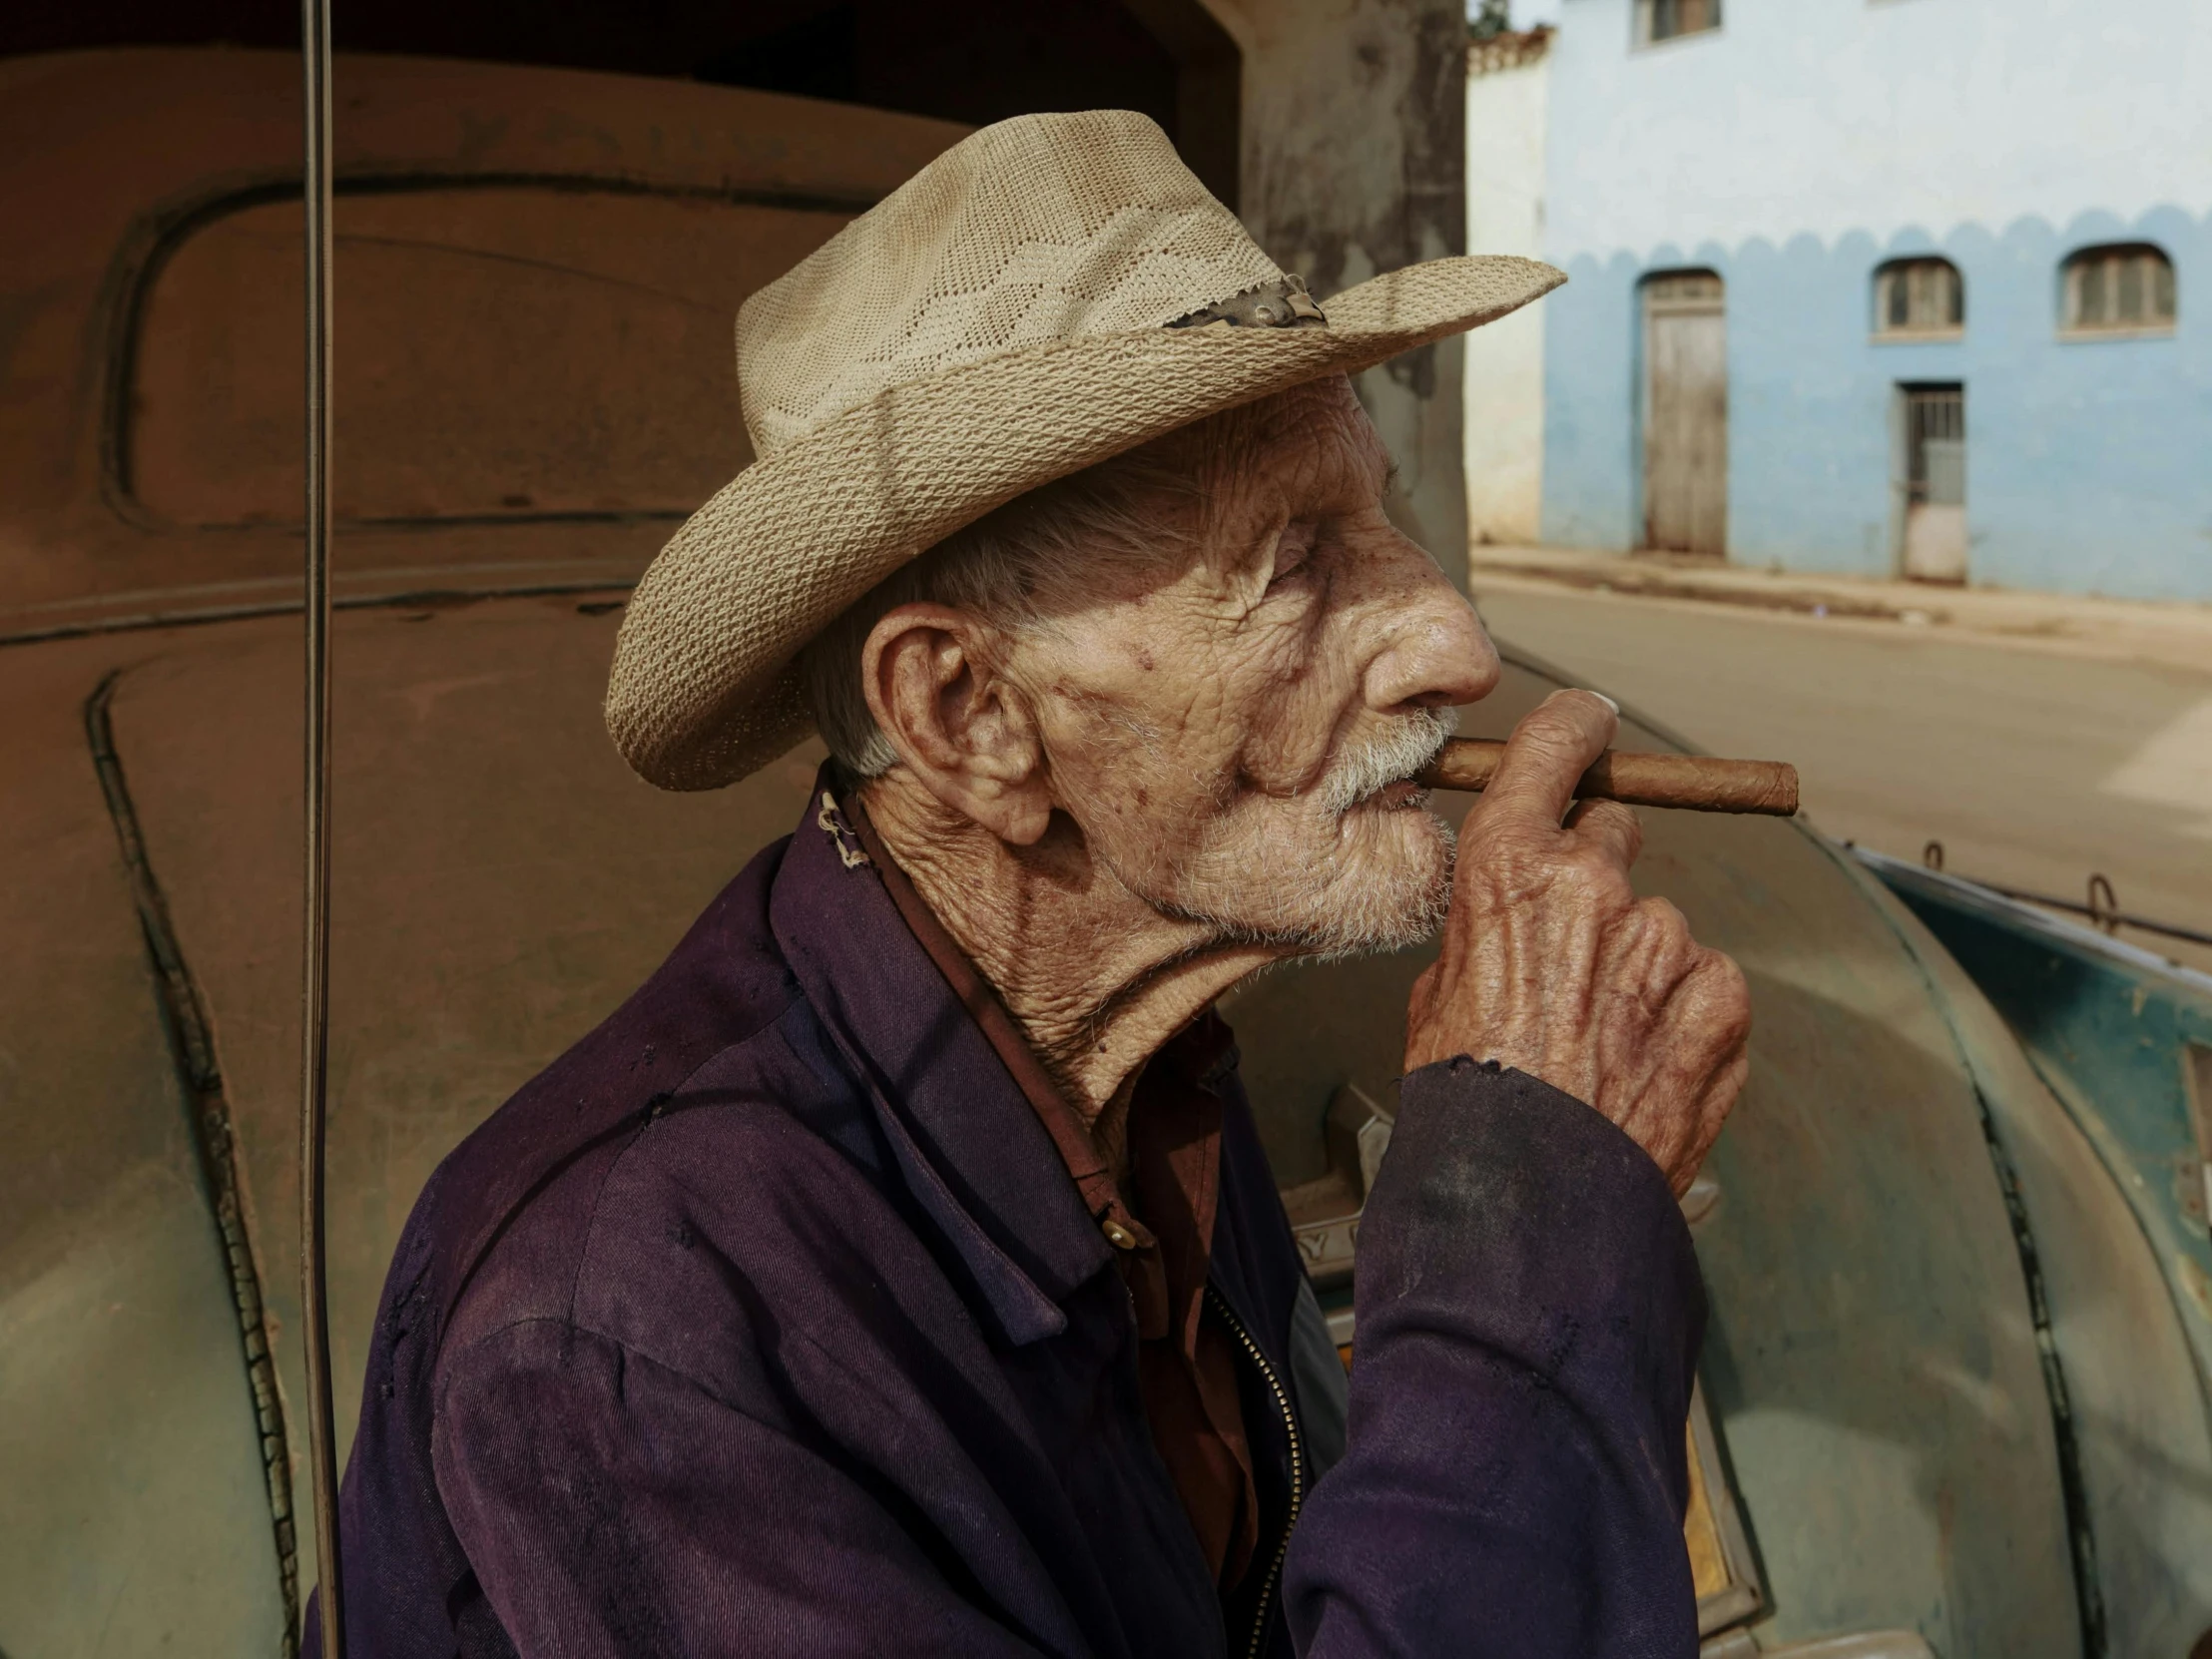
609, 1506
1528, 1317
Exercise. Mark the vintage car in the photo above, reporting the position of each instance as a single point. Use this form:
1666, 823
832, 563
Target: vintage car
1953, 1398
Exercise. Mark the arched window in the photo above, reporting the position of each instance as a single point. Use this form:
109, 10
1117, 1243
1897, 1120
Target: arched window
1919, 299
2123, 288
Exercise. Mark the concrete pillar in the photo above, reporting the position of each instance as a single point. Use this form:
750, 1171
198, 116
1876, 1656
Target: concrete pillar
1353, 161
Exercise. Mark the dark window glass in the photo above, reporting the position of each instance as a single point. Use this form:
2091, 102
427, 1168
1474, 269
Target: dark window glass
2124, 287
2130, 306
1919, 297
1665, 19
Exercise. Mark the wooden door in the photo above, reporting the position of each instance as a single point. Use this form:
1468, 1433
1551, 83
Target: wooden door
1686, 413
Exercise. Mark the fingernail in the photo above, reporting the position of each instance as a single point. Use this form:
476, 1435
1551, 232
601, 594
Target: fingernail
1607, 700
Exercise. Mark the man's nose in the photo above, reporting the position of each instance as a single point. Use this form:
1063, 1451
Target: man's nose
1434, 652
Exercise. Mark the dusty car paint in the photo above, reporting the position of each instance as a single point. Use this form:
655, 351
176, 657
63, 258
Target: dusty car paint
111, 383
133, 1506
153, 314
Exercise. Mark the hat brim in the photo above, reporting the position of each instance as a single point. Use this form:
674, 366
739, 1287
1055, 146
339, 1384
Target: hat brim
704, 691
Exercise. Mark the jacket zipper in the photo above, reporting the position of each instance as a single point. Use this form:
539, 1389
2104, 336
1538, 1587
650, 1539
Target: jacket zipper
1268, 1585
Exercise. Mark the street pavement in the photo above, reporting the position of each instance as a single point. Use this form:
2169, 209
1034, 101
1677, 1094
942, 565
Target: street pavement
2034, 760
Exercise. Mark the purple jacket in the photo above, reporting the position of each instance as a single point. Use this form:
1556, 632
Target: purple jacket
768, 1320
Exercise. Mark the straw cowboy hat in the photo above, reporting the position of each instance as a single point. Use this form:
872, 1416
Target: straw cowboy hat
1050, 292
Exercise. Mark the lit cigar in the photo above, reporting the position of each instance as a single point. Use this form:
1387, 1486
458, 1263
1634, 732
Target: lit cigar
1694, 783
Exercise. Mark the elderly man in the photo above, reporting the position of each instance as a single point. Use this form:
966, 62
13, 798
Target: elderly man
899, 1271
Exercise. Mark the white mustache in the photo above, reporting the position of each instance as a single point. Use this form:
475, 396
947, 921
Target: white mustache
1373, 764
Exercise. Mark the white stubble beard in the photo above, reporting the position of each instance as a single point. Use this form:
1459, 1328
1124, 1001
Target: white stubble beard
1301, 897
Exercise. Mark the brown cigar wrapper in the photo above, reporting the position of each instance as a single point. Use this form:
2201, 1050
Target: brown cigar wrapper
1694, 783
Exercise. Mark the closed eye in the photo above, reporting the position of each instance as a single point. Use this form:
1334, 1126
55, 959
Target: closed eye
1293, 549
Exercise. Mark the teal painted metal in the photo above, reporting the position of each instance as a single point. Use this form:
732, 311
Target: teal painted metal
2113, 1195
2110, 1027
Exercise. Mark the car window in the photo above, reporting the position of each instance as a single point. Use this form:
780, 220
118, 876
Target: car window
508, 351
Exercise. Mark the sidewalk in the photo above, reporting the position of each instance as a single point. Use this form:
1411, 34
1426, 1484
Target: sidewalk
2170, 635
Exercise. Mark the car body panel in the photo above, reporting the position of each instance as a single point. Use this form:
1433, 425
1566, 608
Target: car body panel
2113, 1187
145, 334
134, 1504
125, 159
501, 880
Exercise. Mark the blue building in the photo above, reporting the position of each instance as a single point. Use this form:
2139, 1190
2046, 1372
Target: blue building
1865, 286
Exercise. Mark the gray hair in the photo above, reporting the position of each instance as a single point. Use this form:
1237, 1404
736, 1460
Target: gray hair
1035, 558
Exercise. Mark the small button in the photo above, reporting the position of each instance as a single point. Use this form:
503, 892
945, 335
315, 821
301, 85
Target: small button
1117, 1235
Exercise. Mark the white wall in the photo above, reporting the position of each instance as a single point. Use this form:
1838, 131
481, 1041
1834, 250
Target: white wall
1878, 116
1504, 370
1805, 141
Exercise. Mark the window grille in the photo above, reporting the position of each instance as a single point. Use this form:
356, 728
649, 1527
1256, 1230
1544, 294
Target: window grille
1658, 20
1933, 543
1918, 297
1935, 446
2126, 289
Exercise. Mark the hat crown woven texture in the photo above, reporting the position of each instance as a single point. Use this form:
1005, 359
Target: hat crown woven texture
998, 322
1040, 229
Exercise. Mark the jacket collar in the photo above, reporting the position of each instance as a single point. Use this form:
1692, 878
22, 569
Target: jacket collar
967, 1140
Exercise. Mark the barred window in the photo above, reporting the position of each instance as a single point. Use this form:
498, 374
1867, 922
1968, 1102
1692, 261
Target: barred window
2127, 288
1919, 299
1658, 20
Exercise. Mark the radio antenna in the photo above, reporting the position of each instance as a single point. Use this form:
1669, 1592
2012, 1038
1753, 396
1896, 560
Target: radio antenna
314, 978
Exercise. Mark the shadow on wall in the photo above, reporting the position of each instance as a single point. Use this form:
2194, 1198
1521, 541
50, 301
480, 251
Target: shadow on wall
2084, 451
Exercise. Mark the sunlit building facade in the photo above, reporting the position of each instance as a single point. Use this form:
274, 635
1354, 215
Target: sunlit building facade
1873, 288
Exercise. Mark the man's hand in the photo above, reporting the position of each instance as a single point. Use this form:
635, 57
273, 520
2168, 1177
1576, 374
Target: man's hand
1552, 965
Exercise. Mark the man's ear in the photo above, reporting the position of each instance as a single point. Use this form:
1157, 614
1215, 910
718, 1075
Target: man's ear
961, 728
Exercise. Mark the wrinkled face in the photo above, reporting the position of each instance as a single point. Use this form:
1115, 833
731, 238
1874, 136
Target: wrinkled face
1234, 732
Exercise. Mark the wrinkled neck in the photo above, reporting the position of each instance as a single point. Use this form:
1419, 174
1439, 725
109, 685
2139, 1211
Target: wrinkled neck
1096, 979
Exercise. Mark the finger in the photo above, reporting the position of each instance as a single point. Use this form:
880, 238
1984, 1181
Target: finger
1713, 1107
1717, 999
1548, 752
1663, 933
1613, 829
